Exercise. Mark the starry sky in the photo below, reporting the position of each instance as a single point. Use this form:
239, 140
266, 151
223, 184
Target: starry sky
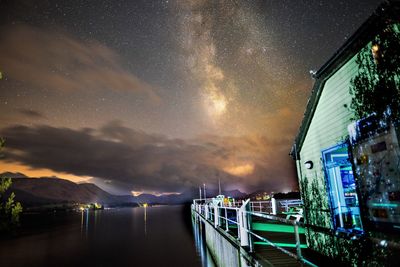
160, 96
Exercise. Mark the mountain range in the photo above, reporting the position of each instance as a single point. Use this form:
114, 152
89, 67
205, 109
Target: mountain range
50, 190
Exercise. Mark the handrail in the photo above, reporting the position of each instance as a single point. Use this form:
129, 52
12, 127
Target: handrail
217, 214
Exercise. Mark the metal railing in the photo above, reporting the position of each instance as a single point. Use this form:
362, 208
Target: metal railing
272, 206
236, 221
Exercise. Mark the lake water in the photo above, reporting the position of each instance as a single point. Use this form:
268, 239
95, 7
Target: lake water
155, 236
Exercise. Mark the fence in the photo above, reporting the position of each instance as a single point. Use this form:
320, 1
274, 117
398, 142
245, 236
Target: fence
272, 206
236, 219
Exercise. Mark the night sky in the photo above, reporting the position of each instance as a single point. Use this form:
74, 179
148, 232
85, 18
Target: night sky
160, 96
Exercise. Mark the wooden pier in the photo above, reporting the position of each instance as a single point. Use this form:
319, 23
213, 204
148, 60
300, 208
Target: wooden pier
263, 239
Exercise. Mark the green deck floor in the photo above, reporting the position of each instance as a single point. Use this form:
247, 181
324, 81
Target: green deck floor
273, 227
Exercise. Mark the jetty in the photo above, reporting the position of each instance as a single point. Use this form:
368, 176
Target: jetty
253, 233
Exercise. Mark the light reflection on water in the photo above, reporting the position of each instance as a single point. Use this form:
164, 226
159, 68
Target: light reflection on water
145, 220
155, 236
87, 222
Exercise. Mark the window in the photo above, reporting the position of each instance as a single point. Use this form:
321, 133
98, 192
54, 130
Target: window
342, 189
376, 154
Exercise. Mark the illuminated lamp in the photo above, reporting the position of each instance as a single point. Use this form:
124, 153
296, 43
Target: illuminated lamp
376, 53
308, 164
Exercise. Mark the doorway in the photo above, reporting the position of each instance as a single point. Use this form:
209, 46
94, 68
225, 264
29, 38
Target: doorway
342, 189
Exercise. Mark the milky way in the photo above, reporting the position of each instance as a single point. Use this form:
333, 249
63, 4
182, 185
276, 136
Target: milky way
167, 94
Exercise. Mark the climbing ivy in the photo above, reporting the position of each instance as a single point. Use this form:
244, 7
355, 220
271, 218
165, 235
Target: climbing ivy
376, 87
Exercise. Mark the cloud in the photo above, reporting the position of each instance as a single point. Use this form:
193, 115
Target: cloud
136, 161
52, 60
32, 114
283, 123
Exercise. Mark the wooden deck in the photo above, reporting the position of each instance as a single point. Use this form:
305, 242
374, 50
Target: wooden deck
281, 235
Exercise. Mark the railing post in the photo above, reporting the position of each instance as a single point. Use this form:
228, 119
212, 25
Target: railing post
274, 206
298, 247
216, 216
226, 221
206, 211
243, 224
238, 223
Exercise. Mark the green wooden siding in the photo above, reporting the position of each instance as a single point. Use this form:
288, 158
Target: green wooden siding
328, 128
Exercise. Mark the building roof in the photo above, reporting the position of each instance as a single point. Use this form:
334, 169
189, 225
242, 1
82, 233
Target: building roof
387, 13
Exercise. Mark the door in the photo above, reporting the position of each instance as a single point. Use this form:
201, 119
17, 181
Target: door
342, 189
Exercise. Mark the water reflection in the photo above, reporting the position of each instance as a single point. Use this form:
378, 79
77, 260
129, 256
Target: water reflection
82, 212
85, 222
145, 220
155, 236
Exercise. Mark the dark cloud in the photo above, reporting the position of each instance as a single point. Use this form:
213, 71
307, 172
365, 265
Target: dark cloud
140, 161
33, 114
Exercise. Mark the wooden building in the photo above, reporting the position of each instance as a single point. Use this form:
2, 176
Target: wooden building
348, 170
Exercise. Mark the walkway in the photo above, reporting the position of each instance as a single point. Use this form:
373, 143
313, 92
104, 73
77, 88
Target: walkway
272, 240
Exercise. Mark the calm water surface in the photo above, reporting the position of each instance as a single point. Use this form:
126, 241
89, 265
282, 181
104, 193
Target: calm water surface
155, 236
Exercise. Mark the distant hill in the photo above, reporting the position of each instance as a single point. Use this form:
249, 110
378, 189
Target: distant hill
289, 195
264, 195
53, 190
13, 175
186, 196
49, 190
56, 190
259, 195
194, 193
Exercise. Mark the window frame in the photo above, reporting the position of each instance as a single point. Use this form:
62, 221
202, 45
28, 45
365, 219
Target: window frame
335, 223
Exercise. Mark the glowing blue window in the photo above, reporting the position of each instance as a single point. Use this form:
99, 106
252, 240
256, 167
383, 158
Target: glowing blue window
342, 189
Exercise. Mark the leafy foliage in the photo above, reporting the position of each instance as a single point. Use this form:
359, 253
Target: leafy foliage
9, 208
376, 86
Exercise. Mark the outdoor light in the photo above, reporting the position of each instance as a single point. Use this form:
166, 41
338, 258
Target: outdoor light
309, 164
383, 243
376, 53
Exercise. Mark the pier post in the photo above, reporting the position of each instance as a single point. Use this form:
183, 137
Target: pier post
274, 206
243, 224
298, 248
216, 216
226, 221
